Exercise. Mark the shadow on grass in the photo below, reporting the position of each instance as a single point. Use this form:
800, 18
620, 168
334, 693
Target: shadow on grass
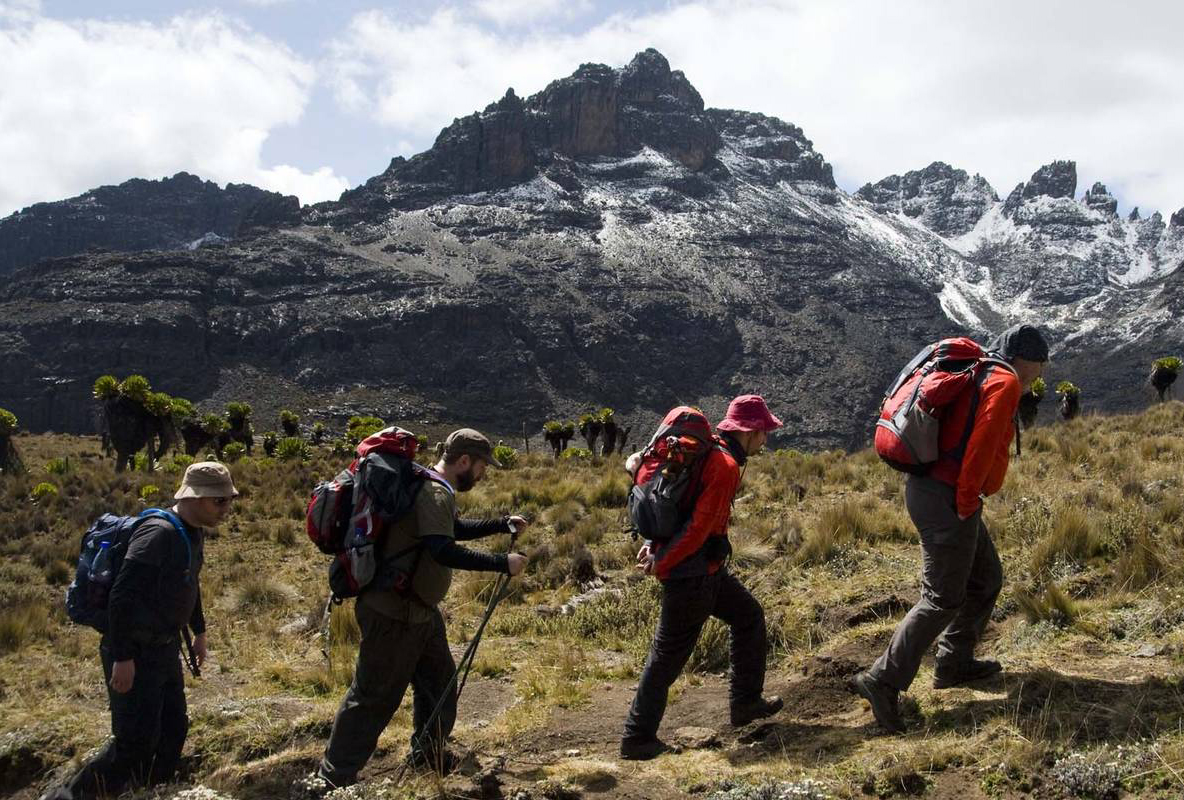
796, 743
1047, 705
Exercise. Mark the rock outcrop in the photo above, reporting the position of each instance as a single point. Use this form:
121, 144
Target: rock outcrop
597, 112
943, 199
1058, 179
170, 213
1098, 199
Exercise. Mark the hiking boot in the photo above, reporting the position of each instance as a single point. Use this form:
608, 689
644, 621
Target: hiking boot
442, 762
644, 749
58, 793
964, 672
884, 700
745, 713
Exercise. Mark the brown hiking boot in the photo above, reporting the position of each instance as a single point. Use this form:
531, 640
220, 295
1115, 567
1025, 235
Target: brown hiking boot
884, 700
760, 708
975, 669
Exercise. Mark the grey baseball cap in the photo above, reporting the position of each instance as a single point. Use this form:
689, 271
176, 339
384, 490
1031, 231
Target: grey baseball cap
466, 441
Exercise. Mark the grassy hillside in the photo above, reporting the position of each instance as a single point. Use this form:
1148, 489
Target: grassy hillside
1088, 628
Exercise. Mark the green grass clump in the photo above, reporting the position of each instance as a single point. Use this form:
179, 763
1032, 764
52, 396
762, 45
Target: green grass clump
57, 466
43, 491
506, 455
233, 452
292, 448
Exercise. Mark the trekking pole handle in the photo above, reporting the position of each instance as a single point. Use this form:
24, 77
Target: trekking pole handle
191, 656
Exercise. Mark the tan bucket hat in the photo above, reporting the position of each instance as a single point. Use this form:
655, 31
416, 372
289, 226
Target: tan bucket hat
206, 479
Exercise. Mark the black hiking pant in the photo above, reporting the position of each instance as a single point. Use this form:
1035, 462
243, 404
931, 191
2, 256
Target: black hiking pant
148, 722
393, 655
686, 605
960, 580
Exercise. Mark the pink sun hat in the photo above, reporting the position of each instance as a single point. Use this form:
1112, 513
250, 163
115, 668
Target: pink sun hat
748, 412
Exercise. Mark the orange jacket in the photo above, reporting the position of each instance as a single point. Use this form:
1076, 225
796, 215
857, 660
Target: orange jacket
713, 510
983, 466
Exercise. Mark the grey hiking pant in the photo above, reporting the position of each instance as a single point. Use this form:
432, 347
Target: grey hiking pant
393, 655
686, 605
960, 581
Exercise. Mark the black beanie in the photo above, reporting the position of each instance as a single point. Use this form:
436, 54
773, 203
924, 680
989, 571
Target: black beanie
1022, 341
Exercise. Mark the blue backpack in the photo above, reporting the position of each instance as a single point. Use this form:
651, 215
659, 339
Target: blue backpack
103, 547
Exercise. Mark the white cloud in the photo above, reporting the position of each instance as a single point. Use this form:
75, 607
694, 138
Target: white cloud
19, 11
997, 88
518, 12
310, 187
88, 103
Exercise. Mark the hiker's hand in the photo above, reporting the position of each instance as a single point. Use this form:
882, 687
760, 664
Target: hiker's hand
200, 649
518, 524
123, 674
517, 563
645, 560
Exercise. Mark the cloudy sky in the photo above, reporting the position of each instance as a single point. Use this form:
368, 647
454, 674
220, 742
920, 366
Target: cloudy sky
310, 97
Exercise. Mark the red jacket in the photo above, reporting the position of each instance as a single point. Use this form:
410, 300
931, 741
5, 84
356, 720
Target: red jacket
713, 509
983, 466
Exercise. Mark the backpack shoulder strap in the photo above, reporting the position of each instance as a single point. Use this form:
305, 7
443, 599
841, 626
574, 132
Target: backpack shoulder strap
986, 366
175, 521
432, 475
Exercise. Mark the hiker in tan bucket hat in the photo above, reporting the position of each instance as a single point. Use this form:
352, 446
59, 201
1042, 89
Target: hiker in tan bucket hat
154, 595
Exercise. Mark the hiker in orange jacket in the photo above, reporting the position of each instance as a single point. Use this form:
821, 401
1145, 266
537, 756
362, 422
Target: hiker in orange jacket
696, 585
960, 574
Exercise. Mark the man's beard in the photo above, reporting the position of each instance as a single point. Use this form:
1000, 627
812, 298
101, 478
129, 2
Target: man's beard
465, 480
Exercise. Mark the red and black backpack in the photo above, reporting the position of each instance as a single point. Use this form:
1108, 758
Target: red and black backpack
348, 515
668, 478
908, 431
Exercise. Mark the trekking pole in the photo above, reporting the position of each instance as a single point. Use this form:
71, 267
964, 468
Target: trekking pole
501, 589
191, 656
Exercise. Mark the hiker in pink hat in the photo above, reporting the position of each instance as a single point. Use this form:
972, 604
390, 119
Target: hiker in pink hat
696, 584
748, 413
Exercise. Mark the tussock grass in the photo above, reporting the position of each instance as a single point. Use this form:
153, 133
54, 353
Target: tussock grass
1072, 535
21, 624
1089, 519
259, 592
1053, 605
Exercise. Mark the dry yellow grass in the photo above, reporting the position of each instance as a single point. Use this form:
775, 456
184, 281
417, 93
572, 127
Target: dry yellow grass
1087, 525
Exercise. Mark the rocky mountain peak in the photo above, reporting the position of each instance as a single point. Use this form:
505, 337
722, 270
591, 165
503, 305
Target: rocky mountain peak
648, 76
1058, 179
1134, 215
944, 199
1177, 219
1101, 200
596, 112
787, 153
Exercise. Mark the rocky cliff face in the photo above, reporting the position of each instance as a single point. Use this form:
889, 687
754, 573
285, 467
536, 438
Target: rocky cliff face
608, 241
943, 199
1102, 286
171, 213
